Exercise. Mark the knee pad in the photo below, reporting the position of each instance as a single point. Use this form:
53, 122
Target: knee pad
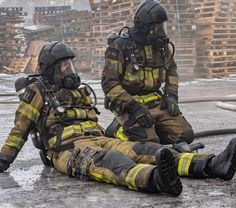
113, 160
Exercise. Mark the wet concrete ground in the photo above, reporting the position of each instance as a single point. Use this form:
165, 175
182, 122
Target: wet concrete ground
28, 183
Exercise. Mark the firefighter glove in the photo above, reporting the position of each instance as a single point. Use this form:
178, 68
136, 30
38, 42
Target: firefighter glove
141, 114
171, 104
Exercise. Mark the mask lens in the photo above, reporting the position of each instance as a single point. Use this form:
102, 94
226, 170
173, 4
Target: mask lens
158, 30
67, 68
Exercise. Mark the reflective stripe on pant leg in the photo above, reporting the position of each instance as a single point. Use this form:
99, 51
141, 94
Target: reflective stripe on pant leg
138, 177
120, 134
184, 164
193, 164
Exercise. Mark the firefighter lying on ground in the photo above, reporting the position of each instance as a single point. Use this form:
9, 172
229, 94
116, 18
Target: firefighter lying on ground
138, 62
58, 108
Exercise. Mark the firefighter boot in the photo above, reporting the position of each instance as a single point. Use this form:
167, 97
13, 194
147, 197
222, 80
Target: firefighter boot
223, 165
164, 178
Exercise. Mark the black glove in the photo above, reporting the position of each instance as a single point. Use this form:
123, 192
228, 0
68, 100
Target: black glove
171, 104
141, 114
4, 165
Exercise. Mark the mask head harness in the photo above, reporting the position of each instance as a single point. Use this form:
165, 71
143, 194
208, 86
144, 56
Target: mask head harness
55, 65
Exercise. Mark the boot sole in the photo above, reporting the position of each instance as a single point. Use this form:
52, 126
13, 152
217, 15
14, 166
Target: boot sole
167, 169
231, 164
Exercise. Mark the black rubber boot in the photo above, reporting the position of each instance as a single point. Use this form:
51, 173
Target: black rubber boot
223, 165
165, 175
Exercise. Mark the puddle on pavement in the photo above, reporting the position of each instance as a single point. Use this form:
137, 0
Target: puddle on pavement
27, 178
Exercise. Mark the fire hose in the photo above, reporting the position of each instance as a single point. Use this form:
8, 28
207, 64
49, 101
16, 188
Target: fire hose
219, 104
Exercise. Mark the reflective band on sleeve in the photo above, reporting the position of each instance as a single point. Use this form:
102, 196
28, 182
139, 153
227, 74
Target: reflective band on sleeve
77, 113
120, 134
15, 141
29, 111
80, 113
184, 164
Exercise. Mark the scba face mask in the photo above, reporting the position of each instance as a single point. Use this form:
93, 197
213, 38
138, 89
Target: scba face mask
157, 35
65, 75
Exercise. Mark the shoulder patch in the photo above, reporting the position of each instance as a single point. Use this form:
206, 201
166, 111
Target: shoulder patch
112, 53
28, 95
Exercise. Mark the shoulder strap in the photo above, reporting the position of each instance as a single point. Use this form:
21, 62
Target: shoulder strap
127, 46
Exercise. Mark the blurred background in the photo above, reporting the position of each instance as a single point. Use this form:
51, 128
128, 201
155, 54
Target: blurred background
203, 31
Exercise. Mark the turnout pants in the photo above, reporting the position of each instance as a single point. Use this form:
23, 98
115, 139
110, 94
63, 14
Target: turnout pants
167, 129
124, 163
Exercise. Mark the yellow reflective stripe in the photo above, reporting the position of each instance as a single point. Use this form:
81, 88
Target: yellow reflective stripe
146, 98
76, 113
115, 92
15, 141
148, 52
29, 111
100, 177
132, 174
184, 164
81, 113
156, 73
71, 113
67, 132
73, 129
52, 141
134, 75
131, 77
88, 125
138, 98
150, 97
120, 134
148, 79
75, 93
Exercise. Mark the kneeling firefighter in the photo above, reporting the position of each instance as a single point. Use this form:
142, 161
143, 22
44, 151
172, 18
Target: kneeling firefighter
138, 62
62, 113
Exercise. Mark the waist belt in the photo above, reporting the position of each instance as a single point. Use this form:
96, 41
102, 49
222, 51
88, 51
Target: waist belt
83, 128
147, 98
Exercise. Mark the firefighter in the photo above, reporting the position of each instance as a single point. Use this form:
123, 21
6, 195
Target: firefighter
137, 62
58, 110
